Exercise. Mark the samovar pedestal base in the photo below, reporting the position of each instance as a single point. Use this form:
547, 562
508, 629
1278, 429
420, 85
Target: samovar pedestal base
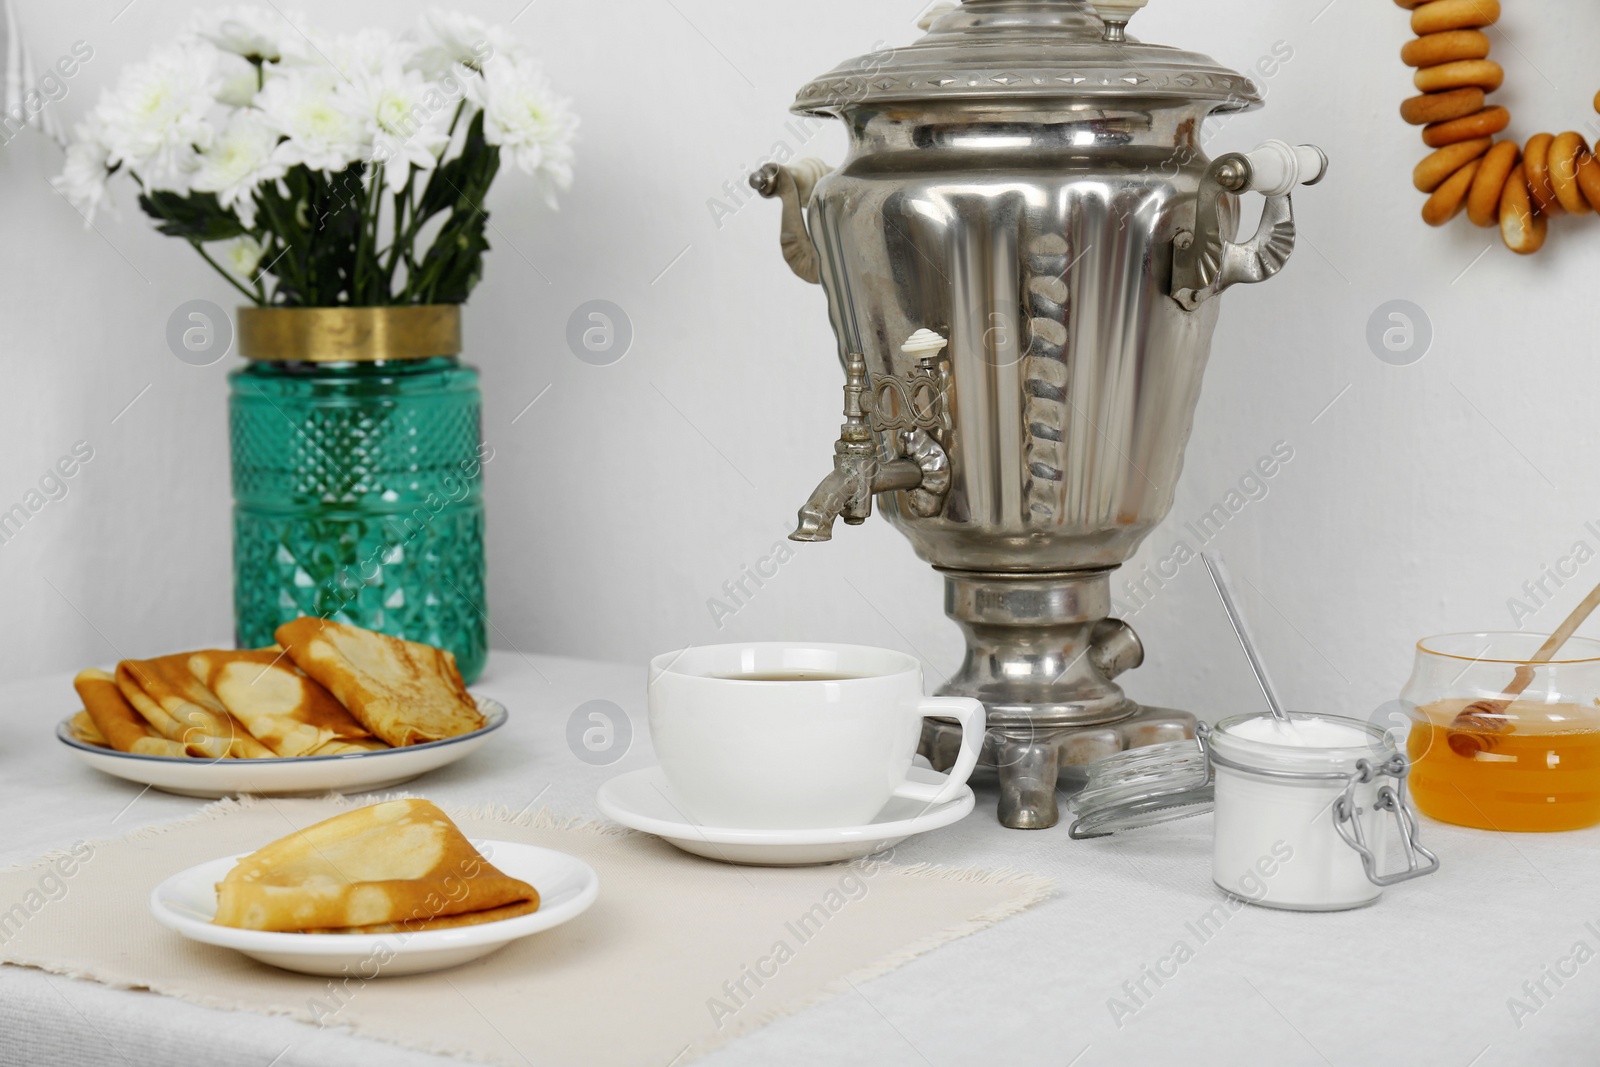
1042, 651
1028, 761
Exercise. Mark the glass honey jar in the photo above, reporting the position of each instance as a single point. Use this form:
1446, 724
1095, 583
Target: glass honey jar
1529, 762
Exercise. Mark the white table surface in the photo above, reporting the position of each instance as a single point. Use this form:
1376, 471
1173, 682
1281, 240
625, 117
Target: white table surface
1422, 978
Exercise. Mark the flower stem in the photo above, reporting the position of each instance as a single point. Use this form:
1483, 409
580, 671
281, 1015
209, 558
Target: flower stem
295, 270
374, 214
220, 269
364, 226
400, 239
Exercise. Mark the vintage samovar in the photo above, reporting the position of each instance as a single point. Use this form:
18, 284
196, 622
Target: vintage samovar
1021, 254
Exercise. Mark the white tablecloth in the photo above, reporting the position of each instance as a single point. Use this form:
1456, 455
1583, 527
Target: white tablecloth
1435, 973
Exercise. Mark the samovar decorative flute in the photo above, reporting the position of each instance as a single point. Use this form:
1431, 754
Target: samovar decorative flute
1020, 254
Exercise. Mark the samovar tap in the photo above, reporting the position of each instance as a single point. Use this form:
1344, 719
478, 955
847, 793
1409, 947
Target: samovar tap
922, 467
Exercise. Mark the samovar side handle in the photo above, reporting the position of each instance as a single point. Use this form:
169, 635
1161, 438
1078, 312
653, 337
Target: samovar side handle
1204, 262
793, 185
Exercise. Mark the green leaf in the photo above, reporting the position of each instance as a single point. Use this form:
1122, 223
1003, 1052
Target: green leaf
195, 216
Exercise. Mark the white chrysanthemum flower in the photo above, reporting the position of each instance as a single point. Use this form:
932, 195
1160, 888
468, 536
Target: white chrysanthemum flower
529, 122
323, 131
83, 177
155, 119
408, 114
258, 34
238, 80
237, 162
367, 51
242, 255
451, 37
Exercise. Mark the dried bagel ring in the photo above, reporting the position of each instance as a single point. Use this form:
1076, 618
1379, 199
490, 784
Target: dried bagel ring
1566, 153
1451, 46
1483, 202
1447, 200
1521, 227
1432, 171
1589, 179
1441, 107
1443, 15
1486, 123
1536, 167
1485, 74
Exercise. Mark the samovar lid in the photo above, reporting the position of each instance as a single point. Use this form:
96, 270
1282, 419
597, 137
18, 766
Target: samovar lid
1028, 50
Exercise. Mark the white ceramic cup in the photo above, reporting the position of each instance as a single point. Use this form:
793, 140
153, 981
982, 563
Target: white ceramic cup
808, 754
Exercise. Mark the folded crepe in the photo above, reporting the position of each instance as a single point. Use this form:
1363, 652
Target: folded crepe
345, 748
179, 707
405, 693
282, 708
114, 718
84, 729
399, 865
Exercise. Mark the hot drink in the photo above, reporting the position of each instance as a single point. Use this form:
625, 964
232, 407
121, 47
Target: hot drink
788, 676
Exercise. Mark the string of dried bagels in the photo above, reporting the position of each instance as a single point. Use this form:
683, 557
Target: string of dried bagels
1520, 188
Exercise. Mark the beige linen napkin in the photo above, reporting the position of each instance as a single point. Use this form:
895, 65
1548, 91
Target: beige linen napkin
677, 955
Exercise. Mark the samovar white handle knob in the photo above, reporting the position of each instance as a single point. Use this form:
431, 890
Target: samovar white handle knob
1115, 14
924, 345
926, 20
1276, 167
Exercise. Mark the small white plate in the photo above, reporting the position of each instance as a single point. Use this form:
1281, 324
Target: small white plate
642, 800
285, 776
567, 886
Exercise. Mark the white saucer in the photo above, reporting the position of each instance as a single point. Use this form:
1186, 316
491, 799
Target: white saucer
642, 800
285, 776
567, 886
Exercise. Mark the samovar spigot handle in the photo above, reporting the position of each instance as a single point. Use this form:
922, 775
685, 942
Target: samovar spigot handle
793, 185
1204, 261
921, 466
847, 491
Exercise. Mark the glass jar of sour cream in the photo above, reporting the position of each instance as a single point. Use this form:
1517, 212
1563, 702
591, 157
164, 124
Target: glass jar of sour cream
1304, 816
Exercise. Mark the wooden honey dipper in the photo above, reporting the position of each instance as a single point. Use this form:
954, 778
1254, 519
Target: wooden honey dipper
1469, 731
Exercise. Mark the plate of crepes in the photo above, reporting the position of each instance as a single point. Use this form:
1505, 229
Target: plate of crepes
390, 889
330, 708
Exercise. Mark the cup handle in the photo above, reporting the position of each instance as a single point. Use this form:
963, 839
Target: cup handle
973, 719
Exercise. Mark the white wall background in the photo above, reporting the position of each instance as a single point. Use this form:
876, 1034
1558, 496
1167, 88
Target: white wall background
1419, 502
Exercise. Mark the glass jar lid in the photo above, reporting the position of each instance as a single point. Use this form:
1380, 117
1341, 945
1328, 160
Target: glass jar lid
1143, 787
1173, 780
1059, 50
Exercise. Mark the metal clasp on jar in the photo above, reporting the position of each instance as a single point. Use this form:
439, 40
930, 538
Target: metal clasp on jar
1392, 799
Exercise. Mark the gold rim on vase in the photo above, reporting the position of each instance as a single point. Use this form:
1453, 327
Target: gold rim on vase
349, 334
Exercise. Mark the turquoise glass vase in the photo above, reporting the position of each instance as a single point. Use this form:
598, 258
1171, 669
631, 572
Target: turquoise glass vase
358, 497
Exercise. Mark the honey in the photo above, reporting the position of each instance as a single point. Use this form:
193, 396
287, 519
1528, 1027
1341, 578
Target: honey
1541, 773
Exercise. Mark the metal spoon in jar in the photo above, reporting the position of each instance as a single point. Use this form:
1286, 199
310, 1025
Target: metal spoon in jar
1219, 578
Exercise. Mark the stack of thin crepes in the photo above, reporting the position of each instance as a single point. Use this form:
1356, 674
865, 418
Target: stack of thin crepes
401, 865
326, 689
